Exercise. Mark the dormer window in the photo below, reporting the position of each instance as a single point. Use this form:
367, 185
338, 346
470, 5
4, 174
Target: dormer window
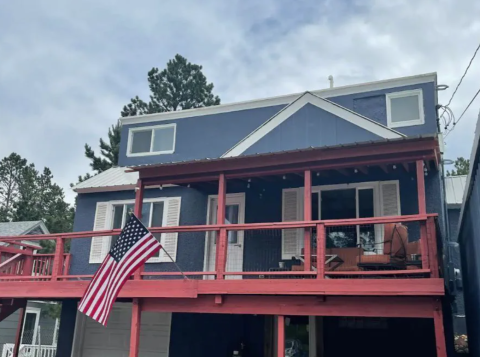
151, 140
405, 108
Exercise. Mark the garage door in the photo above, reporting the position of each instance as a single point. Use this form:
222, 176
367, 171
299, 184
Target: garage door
114, 340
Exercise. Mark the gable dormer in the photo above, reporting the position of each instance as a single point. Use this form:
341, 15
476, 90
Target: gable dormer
380, 110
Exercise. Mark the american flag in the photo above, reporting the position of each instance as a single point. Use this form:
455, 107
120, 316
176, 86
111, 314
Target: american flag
132, 249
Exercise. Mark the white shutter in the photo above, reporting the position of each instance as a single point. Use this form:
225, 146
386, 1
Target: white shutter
390, 198
169, 240
292, 210
100, 245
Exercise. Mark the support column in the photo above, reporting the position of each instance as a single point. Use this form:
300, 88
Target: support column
66, 331
321, 251
307, 216
137, 210
439, 332
18, 334
422, 207
222, 244
280, 336
135, 331
28, 262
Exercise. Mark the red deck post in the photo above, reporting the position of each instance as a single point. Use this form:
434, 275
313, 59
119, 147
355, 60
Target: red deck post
18, 334
424, 245
321, 251
135, 331
439, 332
281, 336
422, 207
137, 210
432, 247
58, 259
28, 263
307, 215
222, 244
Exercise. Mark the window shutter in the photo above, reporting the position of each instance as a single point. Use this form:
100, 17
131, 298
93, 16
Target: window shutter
100, 245
292, 210
169, 240
390, 198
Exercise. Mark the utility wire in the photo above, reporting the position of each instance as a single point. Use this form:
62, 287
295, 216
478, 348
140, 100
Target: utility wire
461, 79
468, 106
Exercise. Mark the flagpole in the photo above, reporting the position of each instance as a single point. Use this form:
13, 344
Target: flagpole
173, 261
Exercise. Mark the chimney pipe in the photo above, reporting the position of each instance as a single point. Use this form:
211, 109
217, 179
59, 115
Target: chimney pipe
330, 78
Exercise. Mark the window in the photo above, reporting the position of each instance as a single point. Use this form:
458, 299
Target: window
30, 326
405, 108
151, 140
152, 216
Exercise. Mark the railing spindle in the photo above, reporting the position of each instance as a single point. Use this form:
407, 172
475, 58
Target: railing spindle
58, 259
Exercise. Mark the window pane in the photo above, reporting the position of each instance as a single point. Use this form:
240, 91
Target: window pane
404, 108
146, 214
231, 217
163, 139
157, 214
141, 141
29, 328
127, 209
117, 216
340, 204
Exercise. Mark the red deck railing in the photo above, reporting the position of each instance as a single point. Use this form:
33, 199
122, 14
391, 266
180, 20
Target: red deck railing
18, 261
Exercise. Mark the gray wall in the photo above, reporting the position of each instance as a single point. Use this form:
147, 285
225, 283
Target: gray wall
210, 136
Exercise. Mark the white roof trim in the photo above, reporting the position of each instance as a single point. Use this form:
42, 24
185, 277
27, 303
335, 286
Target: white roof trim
299, 103
281, 100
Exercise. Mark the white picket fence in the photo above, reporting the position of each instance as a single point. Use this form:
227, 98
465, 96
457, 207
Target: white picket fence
29, 351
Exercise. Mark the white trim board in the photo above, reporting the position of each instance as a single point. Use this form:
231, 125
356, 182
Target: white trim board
299, 103
284, 99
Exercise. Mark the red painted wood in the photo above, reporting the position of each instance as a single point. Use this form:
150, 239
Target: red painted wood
422, 206
218, 299
280, 336
10, 262
299, 273
372, 306
135, 328
28, 263
439, 331
12, 250
432, 247
67, 264
177, 273
397, 148
307, 214
58, 260
192, 288
139, 190
18, 333
321, 243
222, 244
384, 273
424, 245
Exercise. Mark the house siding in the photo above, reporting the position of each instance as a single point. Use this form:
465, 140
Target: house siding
210, 136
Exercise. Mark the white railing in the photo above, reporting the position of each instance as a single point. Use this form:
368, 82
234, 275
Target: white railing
29, 351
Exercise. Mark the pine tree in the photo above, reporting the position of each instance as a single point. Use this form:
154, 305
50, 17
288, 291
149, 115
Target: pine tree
462, 166
11, 168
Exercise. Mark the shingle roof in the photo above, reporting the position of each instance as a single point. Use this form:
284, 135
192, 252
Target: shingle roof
454, 189
114, 178
17, 228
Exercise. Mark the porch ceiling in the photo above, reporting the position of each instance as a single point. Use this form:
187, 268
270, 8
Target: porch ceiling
354, 156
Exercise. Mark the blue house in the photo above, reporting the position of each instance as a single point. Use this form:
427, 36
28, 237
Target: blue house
313, 221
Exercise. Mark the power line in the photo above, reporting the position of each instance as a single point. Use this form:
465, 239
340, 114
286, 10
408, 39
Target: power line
468, 106
461, 79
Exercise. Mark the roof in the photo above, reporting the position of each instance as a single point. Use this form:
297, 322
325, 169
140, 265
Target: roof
454, 189
279, 100
324, 104
113, 179
21, 228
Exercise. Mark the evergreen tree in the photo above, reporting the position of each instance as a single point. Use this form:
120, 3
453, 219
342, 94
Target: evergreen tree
11, 168
462, 166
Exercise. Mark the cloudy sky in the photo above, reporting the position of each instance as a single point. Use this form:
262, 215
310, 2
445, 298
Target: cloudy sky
68, 67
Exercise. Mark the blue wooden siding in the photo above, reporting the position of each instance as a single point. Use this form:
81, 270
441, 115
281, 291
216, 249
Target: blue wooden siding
210, 136
310, 127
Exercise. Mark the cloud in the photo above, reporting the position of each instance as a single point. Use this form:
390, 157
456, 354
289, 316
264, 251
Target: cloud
67, 68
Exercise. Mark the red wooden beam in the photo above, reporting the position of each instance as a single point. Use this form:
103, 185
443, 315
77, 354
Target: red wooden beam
380, 272
18, 334
321, 251
137, 210
135, 328
222, 244
424, 245
280, 336
439, 331
11, 250
432, 247
179, 288
58, 260
422, 207
307, 214
373, 306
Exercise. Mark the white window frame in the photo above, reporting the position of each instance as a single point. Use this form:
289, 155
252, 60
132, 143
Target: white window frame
147, 200
152, 128
407, 93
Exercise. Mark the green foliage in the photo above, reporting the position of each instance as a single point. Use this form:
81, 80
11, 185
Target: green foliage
52, 310
28, 195
462, 166
181, 85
